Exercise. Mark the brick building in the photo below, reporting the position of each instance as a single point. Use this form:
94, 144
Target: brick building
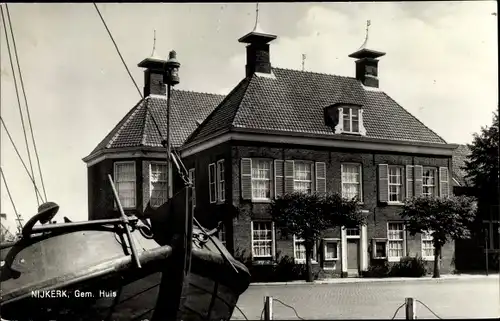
277, 131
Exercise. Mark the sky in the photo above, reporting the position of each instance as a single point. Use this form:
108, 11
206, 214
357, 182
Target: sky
441, 65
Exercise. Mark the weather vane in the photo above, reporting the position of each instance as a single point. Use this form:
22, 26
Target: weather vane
256, 16
368, 23
153, 54
303, 61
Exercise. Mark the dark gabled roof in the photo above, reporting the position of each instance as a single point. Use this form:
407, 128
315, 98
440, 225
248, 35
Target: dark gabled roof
459, 157
138, 129
293, 101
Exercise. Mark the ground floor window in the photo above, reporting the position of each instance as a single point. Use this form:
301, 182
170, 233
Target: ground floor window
396, 239
427, 245
299, 250
492, 233
331, 247
262, 239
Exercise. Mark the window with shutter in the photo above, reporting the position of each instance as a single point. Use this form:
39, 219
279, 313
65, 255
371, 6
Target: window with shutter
383, 183
302, 176
429, 181
320, 177
261, 179
444, 182
278, 178
352, 181
395, 184
212, 186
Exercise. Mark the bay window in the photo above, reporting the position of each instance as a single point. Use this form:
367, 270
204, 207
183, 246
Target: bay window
125, 183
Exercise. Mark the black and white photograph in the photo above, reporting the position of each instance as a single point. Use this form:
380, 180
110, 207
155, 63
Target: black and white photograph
249, 161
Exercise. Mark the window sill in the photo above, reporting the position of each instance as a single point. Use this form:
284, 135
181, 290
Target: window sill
428, 258
380, 258
394, 259
331, 260
304, 261
263, 201
395, 203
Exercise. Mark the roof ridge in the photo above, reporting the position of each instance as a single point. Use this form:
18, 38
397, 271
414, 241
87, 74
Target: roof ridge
216, 109
313, 72
143, 139
418, 120
198, 92
250, 82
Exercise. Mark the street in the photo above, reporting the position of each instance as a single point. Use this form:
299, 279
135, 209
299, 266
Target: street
448, 298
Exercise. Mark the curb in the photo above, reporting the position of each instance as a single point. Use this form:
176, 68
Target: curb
372, 280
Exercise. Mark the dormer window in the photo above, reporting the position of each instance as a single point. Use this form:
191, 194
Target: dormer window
350, 117
350, 120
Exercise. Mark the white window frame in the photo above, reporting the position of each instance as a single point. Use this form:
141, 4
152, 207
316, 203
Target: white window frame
297, 241
212, 184
360, 184
374, 247
221, 184
117, 183
389, 184
350, 116
425, 238
492, 246
434, 186
349, 235
331, 240
192, 178
389, 240
273, 240
222, 235
307, 164
151, 182
270, 179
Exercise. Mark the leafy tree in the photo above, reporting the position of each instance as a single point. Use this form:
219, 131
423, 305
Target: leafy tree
307, 216
445, 218
481, 166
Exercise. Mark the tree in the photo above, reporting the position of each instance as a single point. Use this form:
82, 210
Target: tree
445, 218
307, 216
481, 166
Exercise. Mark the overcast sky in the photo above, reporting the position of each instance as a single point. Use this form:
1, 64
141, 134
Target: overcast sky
441, 65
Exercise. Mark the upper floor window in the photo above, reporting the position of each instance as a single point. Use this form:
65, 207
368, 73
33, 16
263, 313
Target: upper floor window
351, 181
395, 184
303, 177
221, 184
212, 184
192, 178
261, 179
125, 183
158, 184
350, 119
429, 181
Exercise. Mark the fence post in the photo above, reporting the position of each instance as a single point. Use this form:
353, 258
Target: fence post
268, 308
410, 309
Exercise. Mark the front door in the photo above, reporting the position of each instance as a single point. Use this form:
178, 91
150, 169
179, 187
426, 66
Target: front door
352, 257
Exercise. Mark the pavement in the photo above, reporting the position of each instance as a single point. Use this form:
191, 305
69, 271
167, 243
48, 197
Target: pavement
451, 296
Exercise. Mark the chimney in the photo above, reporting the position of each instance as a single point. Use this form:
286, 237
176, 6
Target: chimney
258, 59
367, 63
154, 82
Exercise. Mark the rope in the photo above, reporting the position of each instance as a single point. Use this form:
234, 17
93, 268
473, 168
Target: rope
289, 306
19, 102
11, 199
25, 100
243, 314
19, 155
117, 50
395, 313
422, 303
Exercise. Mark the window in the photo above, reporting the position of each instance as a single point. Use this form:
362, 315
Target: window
429, 181
352, 231
262, 239
351, 181
299, 250
125, 183
192, 178
395, 184
222, 235
350, 117
302, 180
331, 249
395, 236
221, 184
427, 246
379, 250
261, 179
212, 186
158, 186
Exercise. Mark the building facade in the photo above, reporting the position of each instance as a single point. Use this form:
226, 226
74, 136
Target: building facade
280, 131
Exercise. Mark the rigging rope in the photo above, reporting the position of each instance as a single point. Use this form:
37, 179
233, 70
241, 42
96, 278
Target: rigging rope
25, 99
117, 50
19, 227
19, 101
20, 158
